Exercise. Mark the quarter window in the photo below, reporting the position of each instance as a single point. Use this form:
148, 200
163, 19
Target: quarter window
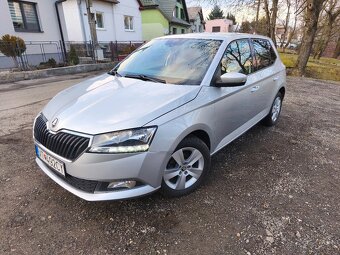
264, 53
237, 58
24, 16
128, 23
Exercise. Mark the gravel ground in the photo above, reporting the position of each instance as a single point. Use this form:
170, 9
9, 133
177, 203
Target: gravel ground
272, 191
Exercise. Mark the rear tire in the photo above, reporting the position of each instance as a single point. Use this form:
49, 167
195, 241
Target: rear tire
273, 116
187, 168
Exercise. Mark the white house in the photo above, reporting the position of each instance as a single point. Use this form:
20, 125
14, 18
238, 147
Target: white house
35, 20
196, 19
115, 20
36, 23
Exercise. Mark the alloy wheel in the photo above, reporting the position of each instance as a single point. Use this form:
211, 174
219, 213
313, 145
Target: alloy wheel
276, 108
184, 168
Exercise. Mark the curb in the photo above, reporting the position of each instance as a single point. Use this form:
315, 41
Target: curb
7, 77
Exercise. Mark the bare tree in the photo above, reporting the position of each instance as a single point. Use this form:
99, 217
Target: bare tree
336, 53
294, 7
286, 24
312, 12
271, 17
328, 20
270, 7
258, 5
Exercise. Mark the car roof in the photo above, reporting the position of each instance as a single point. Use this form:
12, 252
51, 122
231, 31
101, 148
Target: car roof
216, 36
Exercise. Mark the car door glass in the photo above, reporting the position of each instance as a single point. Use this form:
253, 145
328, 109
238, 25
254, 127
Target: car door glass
264, 53
237, 58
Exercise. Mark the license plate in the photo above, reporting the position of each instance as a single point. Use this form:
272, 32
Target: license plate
50, 161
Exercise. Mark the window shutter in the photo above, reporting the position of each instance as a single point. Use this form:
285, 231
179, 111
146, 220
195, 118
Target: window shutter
31, 16
14, 9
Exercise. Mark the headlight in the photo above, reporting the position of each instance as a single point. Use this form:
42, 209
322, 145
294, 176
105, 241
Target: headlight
133, 140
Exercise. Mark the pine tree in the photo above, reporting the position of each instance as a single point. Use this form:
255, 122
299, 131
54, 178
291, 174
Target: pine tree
216, 13
231, 17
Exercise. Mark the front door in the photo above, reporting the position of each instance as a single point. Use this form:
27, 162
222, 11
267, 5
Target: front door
234, 106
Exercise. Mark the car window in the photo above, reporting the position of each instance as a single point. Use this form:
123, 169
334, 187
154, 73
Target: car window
180, 61
237, 58
264, 53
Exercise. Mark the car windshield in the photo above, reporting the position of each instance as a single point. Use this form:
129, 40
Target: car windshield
171, 60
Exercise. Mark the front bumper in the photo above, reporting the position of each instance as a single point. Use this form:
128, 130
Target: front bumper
144, 168
96, 196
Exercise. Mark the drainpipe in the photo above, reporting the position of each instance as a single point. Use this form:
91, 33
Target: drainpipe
82, 19
60, 28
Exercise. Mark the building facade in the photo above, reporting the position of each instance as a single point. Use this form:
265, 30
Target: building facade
115, 20
196, 20
163, 17
219, 25
36, 23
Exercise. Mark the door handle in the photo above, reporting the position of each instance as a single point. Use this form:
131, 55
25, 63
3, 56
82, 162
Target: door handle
253, 89
275, 79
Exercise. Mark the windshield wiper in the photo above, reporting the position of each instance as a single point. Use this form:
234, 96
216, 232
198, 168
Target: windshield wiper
144, 78
115, 73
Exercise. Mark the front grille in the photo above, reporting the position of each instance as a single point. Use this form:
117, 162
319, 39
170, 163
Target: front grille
84, 185
66, 145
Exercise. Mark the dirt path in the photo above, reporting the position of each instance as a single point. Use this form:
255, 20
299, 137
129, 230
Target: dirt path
272, 191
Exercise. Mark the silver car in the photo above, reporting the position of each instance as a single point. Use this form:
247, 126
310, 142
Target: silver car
153, 122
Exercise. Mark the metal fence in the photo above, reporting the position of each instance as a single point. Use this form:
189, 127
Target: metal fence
44, 54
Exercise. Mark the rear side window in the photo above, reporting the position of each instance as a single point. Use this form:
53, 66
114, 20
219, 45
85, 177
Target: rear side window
264, 53
237, 58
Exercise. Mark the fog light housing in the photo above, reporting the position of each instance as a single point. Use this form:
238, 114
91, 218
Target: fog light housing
121, 184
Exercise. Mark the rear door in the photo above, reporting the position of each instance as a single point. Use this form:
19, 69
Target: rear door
266, 73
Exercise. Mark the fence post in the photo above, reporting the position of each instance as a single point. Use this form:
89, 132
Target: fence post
93, 52
117, 53
63, 51
21, 64
111, 49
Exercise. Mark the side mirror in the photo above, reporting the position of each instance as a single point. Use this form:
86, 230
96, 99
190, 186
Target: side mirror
231, 80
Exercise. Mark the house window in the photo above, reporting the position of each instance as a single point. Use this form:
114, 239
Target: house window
24, 16
182, 14
216, 29
174, 30
177, 12
183, 31
100, 20
128, 23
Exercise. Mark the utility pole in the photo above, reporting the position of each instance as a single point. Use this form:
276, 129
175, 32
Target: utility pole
93, 29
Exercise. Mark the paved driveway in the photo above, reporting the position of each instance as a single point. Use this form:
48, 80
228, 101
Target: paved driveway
272, 191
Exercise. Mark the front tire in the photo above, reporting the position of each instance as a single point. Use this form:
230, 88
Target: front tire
187, 168
273, 116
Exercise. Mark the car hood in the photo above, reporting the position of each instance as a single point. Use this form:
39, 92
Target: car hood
108, 103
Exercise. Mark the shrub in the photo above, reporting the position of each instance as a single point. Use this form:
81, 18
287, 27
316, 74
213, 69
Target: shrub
73, 58
127, 49
50, 63
12, 46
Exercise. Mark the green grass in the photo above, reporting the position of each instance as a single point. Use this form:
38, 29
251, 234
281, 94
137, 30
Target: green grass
324, 68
